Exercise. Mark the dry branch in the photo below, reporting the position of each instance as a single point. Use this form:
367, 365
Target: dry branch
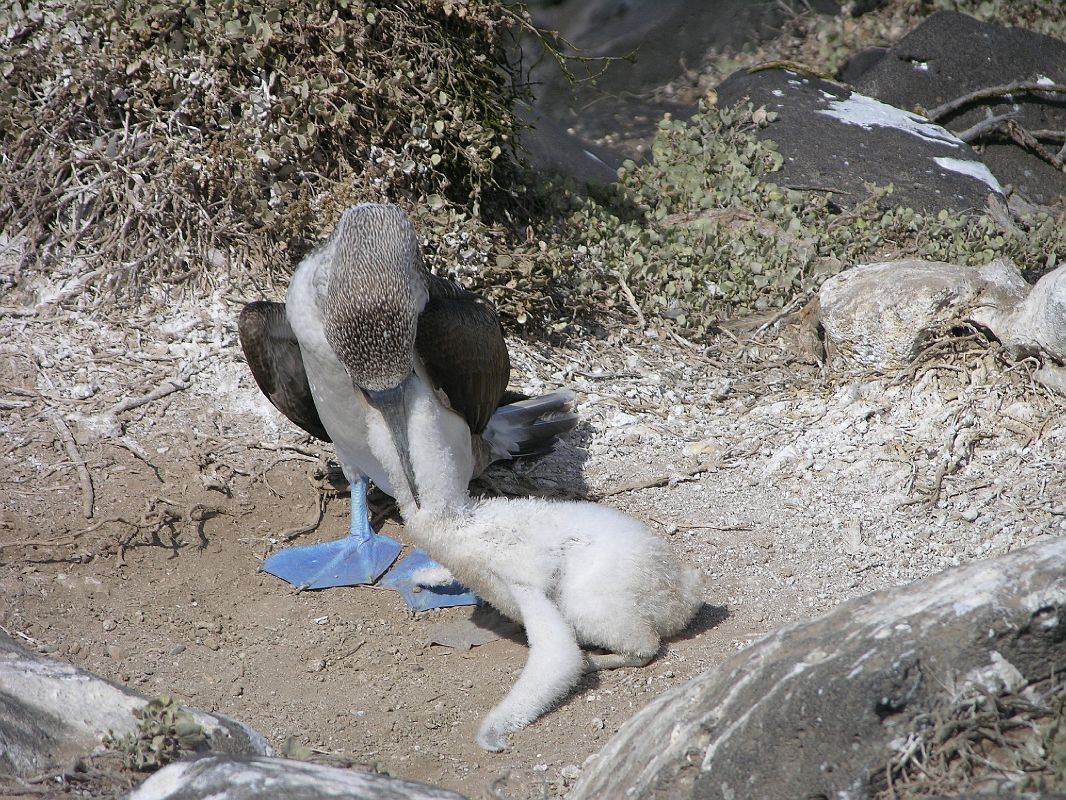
71, 448
990, 92
176, 384
1029, 142
652, 483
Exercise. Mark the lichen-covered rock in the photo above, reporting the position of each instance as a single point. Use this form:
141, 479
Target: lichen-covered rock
950, 55
883, 315
254, 778
812, 709
52, 712
838, 140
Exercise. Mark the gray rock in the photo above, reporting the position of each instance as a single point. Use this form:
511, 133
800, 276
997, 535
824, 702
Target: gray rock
1037, 325
950, 55
834, 138
811, 709
664, 38
254, 778
52, 712
883, 315
550, 147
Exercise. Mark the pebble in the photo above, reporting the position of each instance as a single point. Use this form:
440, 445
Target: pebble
115, 652
110, 624
316, 665
598, 723
177, 649
971, 514
571, 772
212, 643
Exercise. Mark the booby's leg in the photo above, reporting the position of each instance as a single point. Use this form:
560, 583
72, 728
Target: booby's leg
359, 558
409, 576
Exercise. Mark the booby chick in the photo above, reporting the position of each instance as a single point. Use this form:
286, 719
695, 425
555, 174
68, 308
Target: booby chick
573, 573
363, 326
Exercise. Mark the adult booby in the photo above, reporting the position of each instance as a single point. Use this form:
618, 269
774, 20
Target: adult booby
364, 326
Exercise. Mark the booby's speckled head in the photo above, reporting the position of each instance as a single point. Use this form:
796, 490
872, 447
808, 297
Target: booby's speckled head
377, 289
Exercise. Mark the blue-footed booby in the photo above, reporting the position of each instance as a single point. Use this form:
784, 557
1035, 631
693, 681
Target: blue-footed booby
364, 328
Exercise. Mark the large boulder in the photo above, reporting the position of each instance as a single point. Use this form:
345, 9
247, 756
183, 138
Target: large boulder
838, 140
217, 776
653, 43
52, 712
950, 55
882, 316
818, 709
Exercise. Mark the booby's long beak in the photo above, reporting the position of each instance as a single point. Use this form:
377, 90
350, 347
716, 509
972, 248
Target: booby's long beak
392, 405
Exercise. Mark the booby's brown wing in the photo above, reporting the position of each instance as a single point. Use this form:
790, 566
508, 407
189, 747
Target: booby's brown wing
461, 343
277, 364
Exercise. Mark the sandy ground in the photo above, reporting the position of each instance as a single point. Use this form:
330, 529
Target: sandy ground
144, 478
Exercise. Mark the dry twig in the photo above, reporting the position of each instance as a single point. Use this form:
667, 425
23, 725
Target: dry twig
1018, 87
643, 323
652, 483
71, 448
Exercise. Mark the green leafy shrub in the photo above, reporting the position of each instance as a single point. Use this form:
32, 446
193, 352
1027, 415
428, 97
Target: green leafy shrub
702, 233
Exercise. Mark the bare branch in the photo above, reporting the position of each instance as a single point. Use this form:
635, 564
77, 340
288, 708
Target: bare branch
1019, 87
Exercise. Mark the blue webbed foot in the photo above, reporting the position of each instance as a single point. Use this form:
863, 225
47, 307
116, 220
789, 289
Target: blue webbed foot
405, 579
359, 558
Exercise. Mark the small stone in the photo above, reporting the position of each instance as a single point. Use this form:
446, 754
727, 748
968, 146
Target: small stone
598, 723
971, 514
115, 652
237, 690
212, 643
110, 624
177, 649
571, 772
316, 665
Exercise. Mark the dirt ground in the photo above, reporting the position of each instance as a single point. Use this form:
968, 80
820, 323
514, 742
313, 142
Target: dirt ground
144, 479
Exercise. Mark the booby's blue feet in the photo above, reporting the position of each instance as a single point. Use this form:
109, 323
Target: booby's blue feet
420, 597
359, 558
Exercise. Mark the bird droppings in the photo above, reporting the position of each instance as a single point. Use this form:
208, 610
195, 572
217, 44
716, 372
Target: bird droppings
975, 169
868, 113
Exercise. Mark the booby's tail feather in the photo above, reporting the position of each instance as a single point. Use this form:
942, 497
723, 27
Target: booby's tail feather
529, 427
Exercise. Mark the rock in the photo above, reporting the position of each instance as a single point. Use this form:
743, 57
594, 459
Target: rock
949, 55
52, 712
253, 778
817, 705
1053, 377
1037, 326
551, 148
661, 37
834, 138
883, 315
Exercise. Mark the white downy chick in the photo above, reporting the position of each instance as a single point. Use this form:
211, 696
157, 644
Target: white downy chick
573, 573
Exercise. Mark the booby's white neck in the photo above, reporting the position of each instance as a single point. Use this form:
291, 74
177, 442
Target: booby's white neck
442, 480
